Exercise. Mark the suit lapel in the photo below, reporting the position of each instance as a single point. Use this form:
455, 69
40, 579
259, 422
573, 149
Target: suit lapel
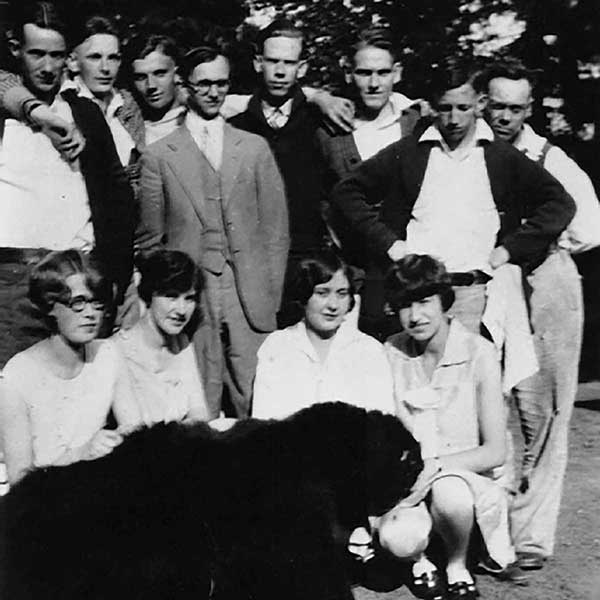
184, 161
230, 164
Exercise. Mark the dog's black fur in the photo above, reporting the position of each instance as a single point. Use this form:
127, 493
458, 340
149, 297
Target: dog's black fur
259, 512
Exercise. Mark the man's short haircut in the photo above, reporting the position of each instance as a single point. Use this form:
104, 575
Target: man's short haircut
450, 73
48, 281
313, 270
417, 276
92, 25
508, 68
167, 272
374, 36
41, 14
143, 44
280, 27
198, 56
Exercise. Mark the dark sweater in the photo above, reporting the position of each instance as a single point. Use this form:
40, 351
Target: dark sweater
294, 147
379, 196
109, 193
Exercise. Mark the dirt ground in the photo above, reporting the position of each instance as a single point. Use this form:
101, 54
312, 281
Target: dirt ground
574, 571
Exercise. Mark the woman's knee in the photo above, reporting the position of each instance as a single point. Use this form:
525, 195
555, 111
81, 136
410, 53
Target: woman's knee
404, 531
451, 496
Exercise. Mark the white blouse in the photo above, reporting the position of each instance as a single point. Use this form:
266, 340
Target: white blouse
64, 414
290, 376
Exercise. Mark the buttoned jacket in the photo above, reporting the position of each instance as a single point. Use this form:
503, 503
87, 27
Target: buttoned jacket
173, 212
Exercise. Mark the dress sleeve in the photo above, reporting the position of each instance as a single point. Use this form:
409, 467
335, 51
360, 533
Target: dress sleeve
124, 403
198, 407
269, 385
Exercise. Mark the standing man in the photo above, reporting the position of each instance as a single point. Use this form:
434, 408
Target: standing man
455, 193
215, 192
46, 202
382, 117
545, 400
151, 63
280, 113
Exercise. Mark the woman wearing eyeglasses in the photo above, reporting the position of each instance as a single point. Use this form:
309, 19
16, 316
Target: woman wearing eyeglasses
55, 395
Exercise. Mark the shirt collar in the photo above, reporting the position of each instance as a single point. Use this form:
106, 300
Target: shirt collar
285, 109
455, 351
529, 141
196, 122
115, 102
483, 133
394, 109
345, 335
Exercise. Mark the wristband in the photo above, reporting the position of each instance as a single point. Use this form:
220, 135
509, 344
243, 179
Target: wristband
28, 106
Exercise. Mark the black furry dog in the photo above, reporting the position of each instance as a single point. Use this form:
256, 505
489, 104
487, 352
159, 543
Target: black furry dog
260, 512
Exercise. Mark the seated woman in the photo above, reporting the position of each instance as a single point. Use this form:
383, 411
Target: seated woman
55, 395
448, 390
320, 358
159, 359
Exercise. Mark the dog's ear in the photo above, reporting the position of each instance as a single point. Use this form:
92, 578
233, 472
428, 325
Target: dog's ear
393, 461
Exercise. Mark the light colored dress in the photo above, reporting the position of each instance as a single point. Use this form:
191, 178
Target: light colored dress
290, 376
64, 414
442, 414
161, 393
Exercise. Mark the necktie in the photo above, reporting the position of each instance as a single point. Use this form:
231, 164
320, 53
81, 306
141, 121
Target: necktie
277, 119
210, 149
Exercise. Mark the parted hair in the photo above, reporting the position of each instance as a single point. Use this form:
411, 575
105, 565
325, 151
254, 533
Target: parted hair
166, 272
280, 27
508, 68
48, 279
41, 14
417, 276
450, 73
315, 269
198, 56
374, 36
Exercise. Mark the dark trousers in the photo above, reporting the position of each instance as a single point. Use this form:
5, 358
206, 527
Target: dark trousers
20, 324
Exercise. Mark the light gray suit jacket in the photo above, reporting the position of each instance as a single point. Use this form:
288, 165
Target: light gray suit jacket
173, 212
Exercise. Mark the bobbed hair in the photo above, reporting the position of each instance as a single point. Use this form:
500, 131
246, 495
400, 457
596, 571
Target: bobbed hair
48, 281
166, 272
417, 276
313, 270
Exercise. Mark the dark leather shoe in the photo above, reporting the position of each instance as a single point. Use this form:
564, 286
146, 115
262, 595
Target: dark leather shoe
529, 561
461, 590
512, 573
429, 586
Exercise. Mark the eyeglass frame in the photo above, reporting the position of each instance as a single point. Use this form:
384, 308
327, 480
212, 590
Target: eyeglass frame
81, 302
204, 85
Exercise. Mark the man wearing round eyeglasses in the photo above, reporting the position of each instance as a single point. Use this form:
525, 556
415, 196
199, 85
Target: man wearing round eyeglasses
545, 400
215, 192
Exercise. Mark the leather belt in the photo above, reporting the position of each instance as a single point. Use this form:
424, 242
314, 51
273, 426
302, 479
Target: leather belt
467, 278
22, 255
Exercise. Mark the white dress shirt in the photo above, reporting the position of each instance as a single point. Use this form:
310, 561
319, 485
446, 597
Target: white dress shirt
123, 141
372, 136
290, 376
208, 135
43, 198
583, 231
454, 217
